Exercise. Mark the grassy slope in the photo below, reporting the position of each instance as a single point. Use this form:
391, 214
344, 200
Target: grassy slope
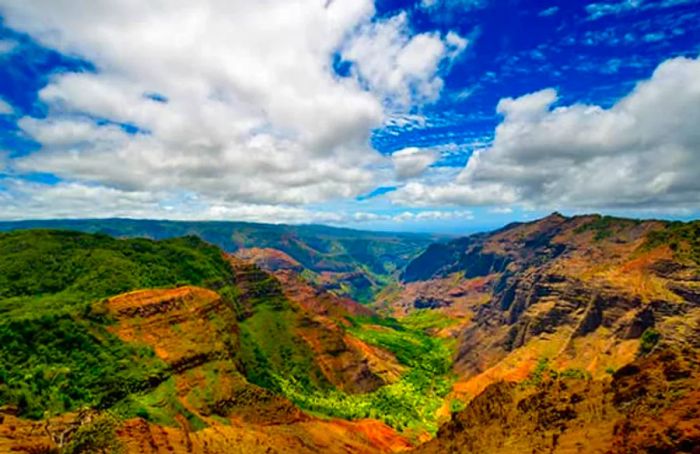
411, 404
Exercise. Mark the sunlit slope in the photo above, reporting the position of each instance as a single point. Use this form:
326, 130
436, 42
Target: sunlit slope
177, 335
561, 298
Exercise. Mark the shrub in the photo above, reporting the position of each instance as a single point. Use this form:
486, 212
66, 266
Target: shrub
649, 339
96, 436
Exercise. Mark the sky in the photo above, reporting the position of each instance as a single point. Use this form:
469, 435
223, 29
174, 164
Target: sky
447, 116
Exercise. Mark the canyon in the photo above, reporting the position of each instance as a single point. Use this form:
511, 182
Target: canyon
565, 334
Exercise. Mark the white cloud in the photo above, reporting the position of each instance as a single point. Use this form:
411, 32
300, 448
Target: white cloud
433, 215
455, 44
501, 210
642, 153
464, 94
27, 200
460, 5
414, 216
253, 114
598, 10
412, 162
400, 67
30, 200
5, 108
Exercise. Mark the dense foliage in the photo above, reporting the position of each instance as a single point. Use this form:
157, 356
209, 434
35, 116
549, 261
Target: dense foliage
97, 436
270, 348
76, 266
55, 351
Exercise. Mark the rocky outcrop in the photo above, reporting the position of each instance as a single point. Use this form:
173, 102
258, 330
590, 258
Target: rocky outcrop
580, 291
651, 405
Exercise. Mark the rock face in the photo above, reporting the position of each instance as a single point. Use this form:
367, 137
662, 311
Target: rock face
650, 405
194, 331
544, 312
577, 291
269, 259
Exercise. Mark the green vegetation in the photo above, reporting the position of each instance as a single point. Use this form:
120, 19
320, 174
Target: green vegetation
270, 349
412, 347
97, 436
375, 255
70, 268
578, 374
605, 226
55, 363
56, 354
457, 405
411, 403
543, 372
648, 341
160, 406
538, 374
682, 237
425, 319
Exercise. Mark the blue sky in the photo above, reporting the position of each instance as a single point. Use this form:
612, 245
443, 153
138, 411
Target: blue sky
430, 115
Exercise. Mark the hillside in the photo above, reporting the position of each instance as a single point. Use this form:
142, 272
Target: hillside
650, 405
585, 298
174, 337
349, 262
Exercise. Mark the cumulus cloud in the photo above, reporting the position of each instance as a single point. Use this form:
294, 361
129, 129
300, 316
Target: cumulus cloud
30, 200
401, 67
230, 100
641, 153
412, 162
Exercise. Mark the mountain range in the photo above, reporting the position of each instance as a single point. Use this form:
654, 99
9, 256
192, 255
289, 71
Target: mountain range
565, 334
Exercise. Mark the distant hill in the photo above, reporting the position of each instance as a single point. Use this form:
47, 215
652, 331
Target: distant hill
352, 262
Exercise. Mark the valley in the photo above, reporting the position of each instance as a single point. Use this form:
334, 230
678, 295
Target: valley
159, 336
